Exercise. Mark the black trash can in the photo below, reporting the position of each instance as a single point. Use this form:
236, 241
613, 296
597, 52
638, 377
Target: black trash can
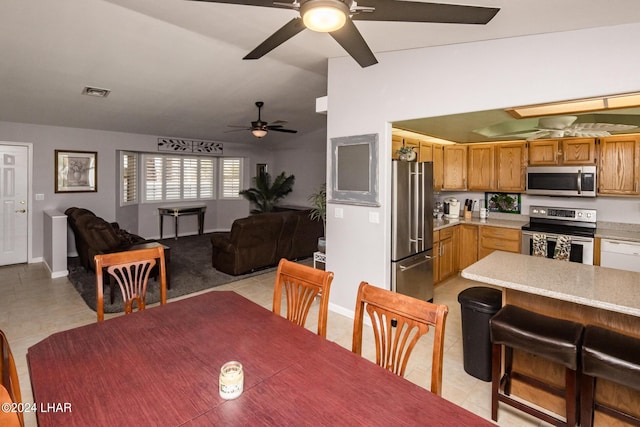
478, 305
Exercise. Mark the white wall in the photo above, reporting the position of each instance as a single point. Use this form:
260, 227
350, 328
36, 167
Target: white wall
448, 80
142, 219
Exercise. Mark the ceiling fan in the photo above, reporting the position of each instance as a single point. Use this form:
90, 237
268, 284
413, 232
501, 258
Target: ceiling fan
260, 128
336, 18
552, 127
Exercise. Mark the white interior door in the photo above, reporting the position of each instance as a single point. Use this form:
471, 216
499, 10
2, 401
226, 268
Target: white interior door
14, 203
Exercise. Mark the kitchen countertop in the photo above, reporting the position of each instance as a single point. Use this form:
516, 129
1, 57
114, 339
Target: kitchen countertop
600, 287
439, 224
605, 230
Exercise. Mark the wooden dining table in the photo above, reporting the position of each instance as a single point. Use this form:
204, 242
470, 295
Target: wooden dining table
160, 367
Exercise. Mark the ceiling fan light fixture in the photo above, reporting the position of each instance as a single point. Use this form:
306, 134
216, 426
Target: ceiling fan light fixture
324, 16
259, 133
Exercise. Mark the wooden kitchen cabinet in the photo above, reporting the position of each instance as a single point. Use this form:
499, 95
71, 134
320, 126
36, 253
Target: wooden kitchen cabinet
467, 245
425, 151
447, 257
619, 165
396, 143
498, 238
438, 166
570, 151
481, 167
511, 162
454, 167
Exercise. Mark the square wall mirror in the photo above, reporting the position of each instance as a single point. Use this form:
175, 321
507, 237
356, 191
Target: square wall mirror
354, 170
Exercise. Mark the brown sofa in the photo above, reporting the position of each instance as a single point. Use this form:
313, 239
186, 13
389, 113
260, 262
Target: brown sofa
93, 235
261, 240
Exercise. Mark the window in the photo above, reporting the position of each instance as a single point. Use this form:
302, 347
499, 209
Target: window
175, 178
231, 178
129, 178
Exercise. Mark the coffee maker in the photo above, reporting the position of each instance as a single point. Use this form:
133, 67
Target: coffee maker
452, 208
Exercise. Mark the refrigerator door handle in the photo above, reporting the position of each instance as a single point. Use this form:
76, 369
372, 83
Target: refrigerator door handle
426, 259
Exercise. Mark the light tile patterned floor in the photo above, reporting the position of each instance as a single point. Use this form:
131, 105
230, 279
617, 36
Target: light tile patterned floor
33, 306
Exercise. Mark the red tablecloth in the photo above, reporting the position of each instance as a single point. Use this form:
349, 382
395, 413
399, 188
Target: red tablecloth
160, 367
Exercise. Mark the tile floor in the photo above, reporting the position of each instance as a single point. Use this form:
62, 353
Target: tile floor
33, 306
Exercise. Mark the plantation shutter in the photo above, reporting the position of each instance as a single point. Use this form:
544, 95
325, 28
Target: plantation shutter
190, 178
129, 170
207, 178
153, 178
231, 177
173, 178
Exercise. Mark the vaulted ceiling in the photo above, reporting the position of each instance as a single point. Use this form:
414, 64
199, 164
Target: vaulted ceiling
175, 68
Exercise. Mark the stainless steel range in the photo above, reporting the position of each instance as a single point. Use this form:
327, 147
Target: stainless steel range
579, 224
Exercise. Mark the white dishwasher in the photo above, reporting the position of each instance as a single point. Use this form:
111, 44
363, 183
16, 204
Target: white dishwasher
620, 254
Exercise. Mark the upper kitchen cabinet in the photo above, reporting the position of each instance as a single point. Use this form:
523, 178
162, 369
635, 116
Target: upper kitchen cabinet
396, 143
438, 166
511, 162
571, 151
455, 167
619, 166
481, 172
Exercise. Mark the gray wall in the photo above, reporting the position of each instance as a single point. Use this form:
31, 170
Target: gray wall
142, 219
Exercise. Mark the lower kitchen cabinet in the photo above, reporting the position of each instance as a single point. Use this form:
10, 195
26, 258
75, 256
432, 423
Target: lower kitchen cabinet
468, 245
498, 238
446, 254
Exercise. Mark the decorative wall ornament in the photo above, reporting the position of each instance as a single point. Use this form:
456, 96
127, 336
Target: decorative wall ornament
190, 146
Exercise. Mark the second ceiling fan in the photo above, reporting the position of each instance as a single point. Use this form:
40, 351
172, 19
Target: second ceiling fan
336, 18
260, 128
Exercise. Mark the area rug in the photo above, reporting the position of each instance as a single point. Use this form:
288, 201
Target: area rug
190, 269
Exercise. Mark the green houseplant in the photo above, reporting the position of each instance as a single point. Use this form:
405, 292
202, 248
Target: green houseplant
266, 194
406, 153
318, 212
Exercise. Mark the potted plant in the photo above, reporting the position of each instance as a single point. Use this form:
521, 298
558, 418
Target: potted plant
318, 201
266, 194
406, 153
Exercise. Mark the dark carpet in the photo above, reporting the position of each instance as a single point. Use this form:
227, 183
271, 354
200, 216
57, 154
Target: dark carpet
190, 270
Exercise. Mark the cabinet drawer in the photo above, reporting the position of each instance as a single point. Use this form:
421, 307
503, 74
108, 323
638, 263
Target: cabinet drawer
500, 233
498, 243
446, 233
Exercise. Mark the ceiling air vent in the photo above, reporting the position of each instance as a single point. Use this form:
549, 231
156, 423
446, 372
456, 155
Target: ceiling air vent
96, 91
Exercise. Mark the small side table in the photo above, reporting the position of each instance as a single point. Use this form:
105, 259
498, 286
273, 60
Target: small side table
319, 257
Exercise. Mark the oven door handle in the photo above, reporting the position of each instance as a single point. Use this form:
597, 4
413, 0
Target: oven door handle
554, 237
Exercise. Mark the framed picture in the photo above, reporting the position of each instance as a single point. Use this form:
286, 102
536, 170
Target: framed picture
503, 202
76, 171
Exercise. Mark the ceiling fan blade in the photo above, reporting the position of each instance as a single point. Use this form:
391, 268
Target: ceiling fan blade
289, 30
236, 130
408, 11
283, 130
352, 41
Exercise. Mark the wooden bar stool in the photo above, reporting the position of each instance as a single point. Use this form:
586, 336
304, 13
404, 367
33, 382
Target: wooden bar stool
613, 357
556, 340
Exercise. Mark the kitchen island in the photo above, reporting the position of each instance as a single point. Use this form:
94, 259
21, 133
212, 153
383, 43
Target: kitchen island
583, 293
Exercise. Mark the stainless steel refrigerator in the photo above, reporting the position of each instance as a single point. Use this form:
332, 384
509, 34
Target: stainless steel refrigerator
412, 229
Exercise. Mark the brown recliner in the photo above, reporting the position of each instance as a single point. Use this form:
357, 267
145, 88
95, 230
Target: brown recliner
93, 236
261, 240
251, 244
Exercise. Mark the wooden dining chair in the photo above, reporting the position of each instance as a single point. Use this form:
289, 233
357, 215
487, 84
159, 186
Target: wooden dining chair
398, 323
131, 270
301, 285
9, 386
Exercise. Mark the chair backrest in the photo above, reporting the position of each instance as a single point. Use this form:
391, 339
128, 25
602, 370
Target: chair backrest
398, 323
130, 269
302, 284
9, 385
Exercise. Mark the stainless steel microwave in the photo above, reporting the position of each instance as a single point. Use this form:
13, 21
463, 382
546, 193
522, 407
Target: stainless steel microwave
573, 181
